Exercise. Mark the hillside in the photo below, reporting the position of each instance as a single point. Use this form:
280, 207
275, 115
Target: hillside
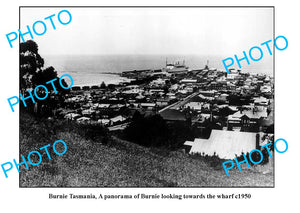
89, 163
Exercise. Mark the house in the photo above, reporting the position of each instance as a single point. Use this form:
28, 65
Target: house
83, 120
224, 144
104, 122
87, 112
116, 107
117, 120
266, 89
183, 91
157, 83
202, 97
253, 113
72, 116
261, 101
248, 118
209, 93
232, 74
148, 106
188, 81
171, 96
223, 97
132, 90
103, 106
194, 106
156, 91
162, 102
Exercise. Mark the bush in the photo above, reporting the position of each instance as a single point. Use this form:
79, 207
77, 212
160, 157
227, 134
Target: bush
213, 161
43, 129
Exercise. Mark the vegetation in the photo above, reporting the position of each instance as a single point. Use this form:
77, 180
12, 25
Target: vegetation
239, 100
103, 85
95, 158
92, 162
153, 131
33, 73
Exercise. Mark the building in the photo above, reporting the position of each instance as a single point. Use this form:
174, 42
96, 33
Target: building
233, 74
148, 106
188, 81
162, 102
261, 101
83, 120
197, 106
117, 120
246, 119
225, 144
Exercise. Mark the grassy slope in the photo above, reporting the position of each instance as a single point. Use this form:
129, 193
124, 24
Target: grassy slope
92, 164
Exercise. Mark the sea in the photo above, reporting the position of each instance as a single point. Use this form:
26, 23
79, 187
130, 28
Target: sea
88, 70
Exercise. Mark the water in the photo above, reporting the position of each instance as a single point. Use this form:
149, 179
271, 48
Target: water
93, 69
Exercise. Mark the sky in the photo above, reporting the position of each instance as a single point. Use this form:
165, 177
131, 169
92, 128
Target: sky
151, 31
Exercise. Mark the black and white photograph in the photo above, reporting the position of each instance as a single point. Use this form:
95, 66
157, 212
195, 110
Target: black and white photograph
147, 96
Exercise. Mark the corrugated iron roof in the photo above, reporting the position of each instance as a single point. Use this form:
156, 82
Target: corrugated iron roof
226, 144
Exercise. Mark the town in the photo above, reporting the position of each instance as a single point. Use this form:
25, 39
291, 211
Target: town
237, 106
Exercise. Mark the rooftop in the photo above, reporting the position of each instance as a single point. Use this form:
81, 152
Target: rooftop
226, 144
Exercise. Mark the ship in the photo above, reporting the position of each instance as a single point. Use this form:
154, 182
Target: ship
177, 67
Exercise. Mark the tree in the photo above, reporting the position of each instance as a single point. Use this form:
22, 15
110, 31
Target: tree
103, 85
225, 111
44, 75
30, 63
33, 73
239, 100
148, 131
111, 86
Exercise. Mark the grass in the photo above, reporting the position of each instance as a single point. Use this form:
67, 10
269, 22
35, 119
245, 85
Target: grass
117, 163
